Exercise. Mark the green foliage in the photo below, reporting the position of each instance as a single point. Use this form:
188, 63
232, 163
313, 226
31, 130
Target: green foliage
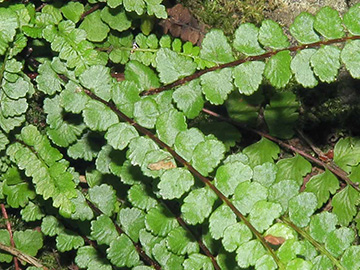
131, 174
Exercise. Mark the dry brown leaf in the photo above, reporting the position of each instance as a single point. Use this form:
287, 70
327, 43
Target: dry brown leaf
274, 240
182, 24
162, 165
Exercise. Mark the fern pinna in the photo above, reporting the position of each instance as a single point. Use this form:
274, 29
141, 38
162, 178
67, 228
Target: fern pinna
141, 173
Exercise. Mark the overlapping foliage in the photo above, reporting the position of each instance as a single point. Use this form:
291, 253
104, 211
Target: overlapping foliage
159, 190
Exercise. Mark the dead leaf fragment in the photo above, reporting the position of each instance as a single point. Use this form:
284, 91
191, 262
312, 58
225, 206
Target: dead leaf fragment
274, 240
183, 25
162, 165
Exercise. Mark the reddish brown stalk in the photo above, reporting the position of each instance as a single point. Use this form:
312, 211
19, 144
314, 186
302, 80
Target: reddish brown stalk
91, 10
247, 59
8, 227
331, 166
186, 164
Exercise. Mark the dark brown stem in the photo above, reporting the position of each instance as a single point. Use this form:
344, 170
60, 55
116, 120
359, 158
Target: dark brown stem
247, 59
8, 227
91, 10
331, 166
186, 164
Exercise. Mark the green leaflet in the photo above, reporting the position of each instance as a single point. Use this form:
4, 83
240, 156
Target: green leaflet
8, 26
180, 243
197, 205
51, 226
322, 185
116, 18
301, 207
347, 153
325, 63
248, 76
246, 40
122, 252
87, 256
85, 148
73, 11
96, 30
120, 134
169, 124
136, 5
294, 168
31, 212
300, 66
28, 241
338, 240
188, 99
198, 261
247, 194
103, 197
207, 155
98, 116
97, 79
344, 204
244, 108
62, 132
68, 240
217, 85
277, 69
175, 182
13, 107
228, 176
186, 141
328, 23
132, 221
18, 195
248, 253
350, 56
302, 28
142, 75
271, 35
103, 230
165, 257
5, 239
172, 66
282, 192
349, 260
140, 197
72, 98
219, 220
321, 225
265, 174
72, 46
156, 162
263, 214
235, 235
261, 152
216, 48
82, 209
281, 114
159, 221
351, 20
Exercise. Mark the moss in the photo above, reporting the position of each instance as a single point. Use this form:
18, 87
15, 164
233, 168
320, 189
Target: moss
228, 14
